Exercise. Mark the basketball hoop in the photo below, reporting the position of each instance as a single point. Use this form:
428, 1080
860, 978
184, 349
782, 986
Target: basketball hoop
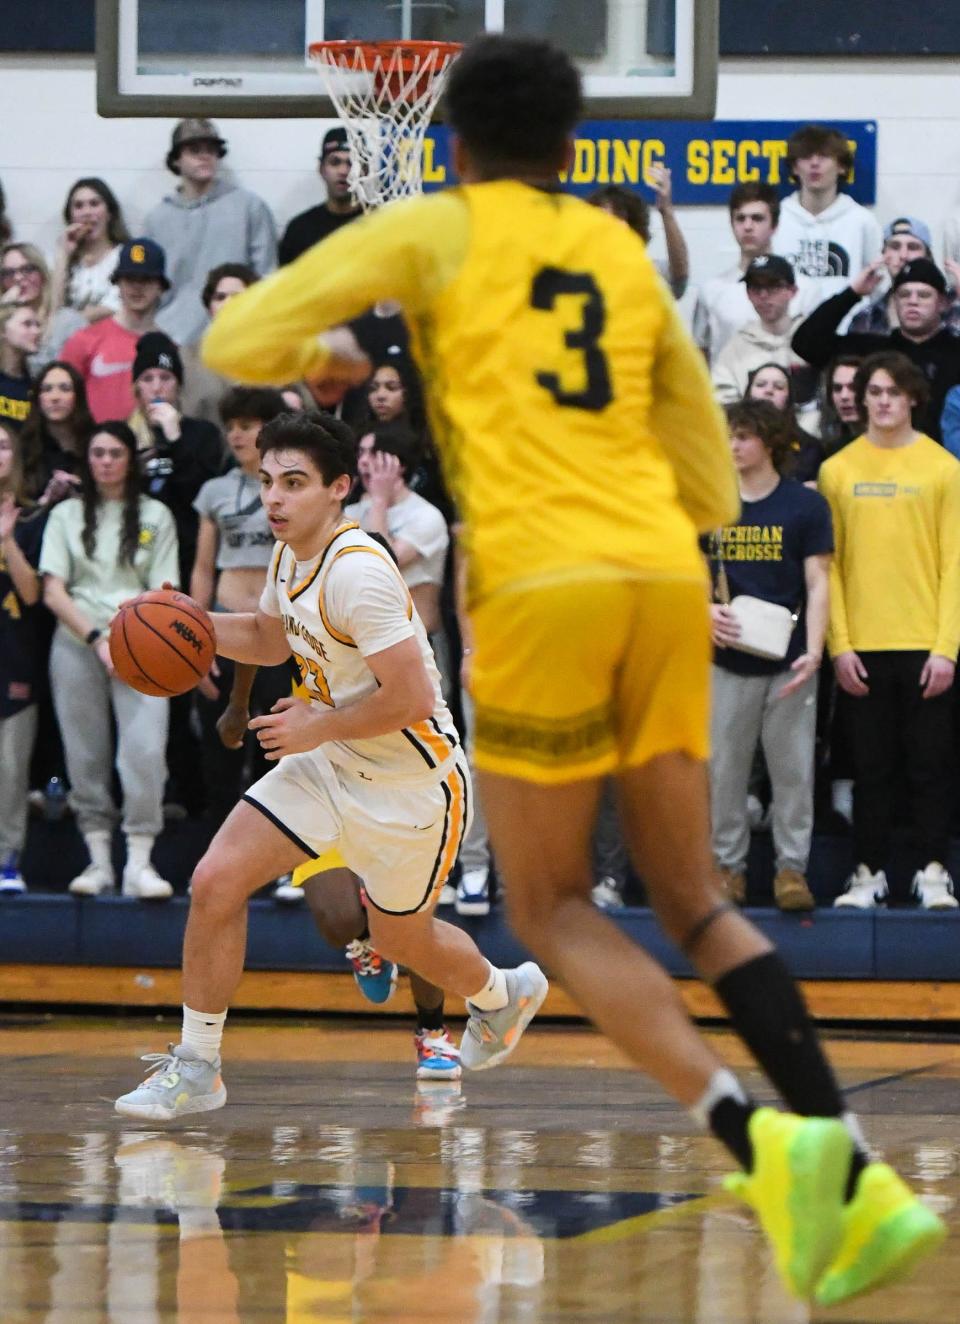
385, 93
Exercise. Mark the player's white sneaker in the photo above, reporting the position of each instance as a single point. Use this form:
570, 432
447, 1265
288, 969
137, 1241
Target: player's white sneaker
180, 1083
473, 893
94, 880
491, 1036
145, 883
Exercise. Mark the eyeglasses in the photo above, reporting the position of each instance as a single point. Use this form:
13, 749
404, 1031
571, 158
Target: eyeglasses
9, 274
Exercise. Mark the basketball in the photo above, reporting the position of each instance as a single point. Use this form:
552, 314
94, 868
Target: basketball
162, 643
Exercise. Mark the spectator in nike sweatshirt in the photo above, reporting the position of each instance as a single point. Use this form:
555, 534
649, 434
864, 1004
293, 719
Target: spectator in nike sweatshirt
204, 223
103, 353
826, 235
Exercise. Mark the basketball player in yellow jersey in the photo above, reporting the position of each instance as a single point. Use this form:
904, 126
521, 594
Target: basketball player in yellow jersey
370, 763
575, 420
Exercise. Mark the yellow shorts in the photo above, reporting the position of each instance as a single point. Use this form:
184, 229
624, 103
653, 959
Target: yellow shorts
331, 859
579, 679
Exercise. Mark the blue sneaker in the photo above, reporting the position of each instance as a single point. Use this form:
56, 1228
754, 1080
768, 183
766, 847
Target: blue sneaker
376, 978
473, 893
438, 1057
11, 879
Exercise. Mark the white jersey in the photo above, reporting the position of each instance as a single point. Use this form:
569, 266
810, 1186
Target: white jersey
338, 609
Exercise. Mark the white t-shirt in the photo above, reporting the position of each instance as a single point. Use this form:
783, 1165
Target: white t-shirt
416, 521
338, 609
91, 287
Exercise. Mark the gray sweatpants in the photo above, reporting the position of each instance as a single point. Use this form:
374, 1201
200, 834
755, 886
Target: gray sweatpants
475, 851
83, 695
17, 734
746, 710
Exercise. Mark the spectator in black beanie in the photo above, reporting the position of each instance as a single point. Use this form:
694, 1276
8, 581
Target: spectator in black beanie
177, 454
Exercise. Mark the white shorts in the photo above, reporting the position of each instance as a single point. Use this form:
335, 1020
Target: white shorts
400, 839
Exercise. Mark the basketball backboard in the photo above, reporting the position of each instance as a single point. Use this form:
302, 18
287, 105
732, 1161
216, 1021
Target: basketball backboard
640, 58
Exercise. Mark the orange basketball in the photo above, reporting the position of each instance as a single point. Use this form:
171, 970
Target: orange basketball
162, 643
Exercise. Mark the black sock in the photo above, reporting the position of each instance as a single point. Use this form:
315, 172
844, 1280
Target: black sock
430, 1018
729, 1119
769, 1014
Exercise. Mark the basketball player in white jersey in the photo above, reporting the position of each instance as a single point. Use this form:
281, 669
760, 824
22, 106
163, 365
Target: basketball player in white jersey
371, 763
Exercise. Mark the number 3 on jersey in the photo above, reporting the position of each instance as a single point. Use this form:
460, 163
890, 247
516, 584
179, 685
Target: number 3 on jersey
549, 285
313, 680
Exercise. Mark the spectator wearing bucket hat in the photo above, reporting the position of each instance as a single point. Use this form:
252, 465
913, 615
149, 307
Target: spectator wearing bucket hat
207, 220
339, 207
103, 353
920, 299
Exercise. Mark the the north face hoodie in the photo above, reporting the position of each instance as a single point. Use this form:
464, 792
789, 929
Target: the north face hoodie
830, 248
228, 224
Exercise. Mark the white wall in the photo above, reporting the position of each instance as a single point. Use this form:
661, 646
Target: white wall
52, 135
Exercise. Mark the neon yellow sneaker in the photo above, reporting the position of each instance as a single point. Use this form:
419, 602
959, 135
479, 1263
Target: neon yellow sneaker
886, 1230
800, 1168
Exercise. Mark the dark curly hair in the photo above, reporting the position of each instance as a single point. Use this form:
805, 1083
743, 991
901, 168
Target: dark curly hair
761, 419
239, 270
514, 102
329, 442
251, 402
814, 139
92, 501
904, 373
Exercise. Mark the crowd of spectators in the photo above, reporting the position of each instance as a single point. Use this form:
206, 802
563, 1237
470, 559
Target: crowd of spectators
834, 346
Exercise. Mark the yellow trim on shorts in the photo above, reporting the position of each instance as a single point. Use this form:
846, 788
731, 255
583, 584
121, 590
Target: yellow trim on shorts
330, 859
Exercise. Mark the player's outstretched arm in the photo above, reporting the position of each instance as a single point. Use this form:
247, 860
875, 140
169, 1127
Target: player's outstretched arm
404, 696
271, 333
251, 636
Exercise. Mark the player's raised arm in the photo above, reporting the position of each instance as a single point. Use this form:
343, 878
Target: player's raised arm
691, 428
406, 252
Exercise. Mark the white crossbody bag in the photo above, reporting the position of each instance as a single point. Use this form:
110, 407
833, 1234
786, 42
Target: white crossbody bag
765, 627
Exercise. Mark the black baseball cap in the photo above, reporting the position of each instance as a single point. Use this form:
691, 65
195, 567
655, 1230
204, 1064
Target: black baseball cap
334, 140
142, 259
921, 271
769, 269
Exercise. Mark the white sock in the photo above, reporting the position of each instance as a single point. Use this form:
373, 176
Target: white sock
98, 846
138, 852
202, 1032
493, 995
852, 1123
723, 1084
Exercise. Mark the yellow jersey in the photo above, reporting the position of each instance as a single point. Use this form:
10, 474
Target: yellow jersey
895, 576
573, 414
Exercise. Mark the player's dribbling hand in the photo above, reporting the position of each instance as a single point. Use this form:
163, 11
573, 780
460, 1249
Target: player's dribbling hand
290, 727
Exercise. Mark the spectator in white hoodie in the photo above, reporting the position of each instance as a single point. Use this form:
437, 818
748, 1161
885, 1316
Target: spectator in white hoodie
205, 222
825, 234
771, 287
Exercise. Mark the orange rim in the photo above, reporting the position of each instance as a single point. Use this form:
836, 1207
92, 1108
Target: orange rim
411, 53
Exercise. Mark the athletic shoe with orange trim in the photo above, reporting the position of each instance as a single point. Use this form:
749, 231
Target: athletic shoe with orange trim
491, 1036
180, 1083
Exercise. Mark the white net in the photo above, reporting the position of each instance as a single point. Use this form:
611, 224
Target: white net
385, 94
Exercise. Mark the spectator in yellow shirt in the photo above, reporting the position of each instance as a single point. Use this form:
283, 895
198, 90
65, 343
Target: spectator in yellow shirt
895, 624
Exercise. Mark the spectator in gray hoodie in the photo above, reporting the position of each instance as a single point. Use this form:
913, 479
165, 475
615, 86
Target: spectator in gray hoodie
205, 222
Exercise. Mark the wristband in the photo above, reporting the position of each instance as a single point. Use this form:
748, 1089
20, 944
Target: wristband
93, 636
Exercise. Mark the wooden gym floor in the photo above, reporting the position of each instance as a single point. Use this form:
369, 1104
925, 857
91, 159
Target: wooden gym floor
561, 1187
